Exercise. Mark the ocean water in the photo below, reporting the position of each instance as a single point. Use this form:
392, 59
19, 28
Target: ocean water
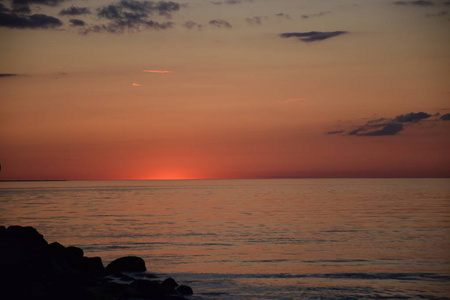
256, 239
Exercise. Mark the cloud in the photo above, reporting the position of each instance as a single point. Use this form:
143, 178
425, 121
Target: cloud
292, 100
412, 117
135, 84
415, 3
7, 75
312, 36
23, 6
442, 13
254, 20
445, 117
4, 9
38, 21
283, 15
75, 11
192, 25
134, 15
220, 24
158, 71
320, 14
335, 132
386, 126
77, 22
378, 130
229, 2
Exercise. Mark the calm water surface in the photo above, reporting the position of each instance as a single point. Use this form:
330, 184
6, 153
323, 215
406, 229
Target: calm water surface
256, 239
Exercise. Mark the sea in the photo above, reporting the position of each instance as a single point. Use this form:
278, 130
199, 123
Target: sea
256, 239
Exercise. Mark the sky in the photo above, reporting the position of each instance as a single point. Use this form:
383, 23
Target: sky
200, 89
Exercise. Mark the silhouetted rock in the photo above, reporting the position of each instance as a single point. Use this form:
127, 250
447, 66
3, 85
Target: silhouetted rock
185, 290
127, 264
30, 268
169, 283
92, 266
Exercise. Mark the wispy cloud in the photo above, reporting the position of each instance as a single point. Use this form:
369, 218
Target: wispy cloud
38, 21
254, 20
192, 25
283, 15
312, 36
220, 24
135, 84
292, 100
75, 11
158, 71
320, 14
390, 126
7, 75
415, 3
77, 22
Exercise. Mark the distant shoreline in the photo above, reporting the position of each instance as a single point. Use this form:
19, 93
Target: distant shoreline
19, 180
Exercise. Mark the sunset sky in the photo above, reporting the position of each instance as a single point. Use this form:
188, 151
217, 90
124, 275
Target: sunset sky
224, 89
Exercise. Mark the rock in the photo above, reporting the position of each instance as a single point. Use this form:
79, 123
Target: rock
74, 253
169, 283
185, 290
92, 266
147, 288
127, 264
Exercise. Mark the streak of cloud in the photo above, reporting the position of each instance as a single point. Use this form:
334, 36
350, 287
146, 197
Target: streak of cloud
7, 75
75, 11
292, 100
220, 24
38, 21
387, 126
320, 14
158, 71
312, 36
135, 84
415, 3
192, 25
283, 15
77, 22
254, 20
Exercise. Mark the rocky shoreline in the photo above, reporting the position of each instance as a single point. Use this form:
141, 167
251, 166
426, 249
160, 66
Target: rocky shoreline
31, 268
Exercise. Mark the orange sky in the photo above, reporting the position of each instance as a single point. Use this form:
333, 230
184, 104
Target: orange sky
224, 89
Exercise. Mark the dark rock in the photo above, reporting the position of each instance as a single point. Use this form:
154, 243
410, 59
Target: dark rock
127, 264
93, 266
74, 253
30, 268
169, 283
185, 290
56, 248
147, 288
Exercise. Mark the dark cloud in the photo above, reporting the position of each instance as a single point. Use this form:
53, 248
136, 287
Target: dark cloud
283, 15
335, 132
445, 117
77, 22
320, 14
254, 20
75, 11
416, 3
442, 13
192, 25
7, 75
37, 21
385, 126
220, 24
378, 130
412, 117
135, 15
229, 2
23, 6
312, 36
4, 9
